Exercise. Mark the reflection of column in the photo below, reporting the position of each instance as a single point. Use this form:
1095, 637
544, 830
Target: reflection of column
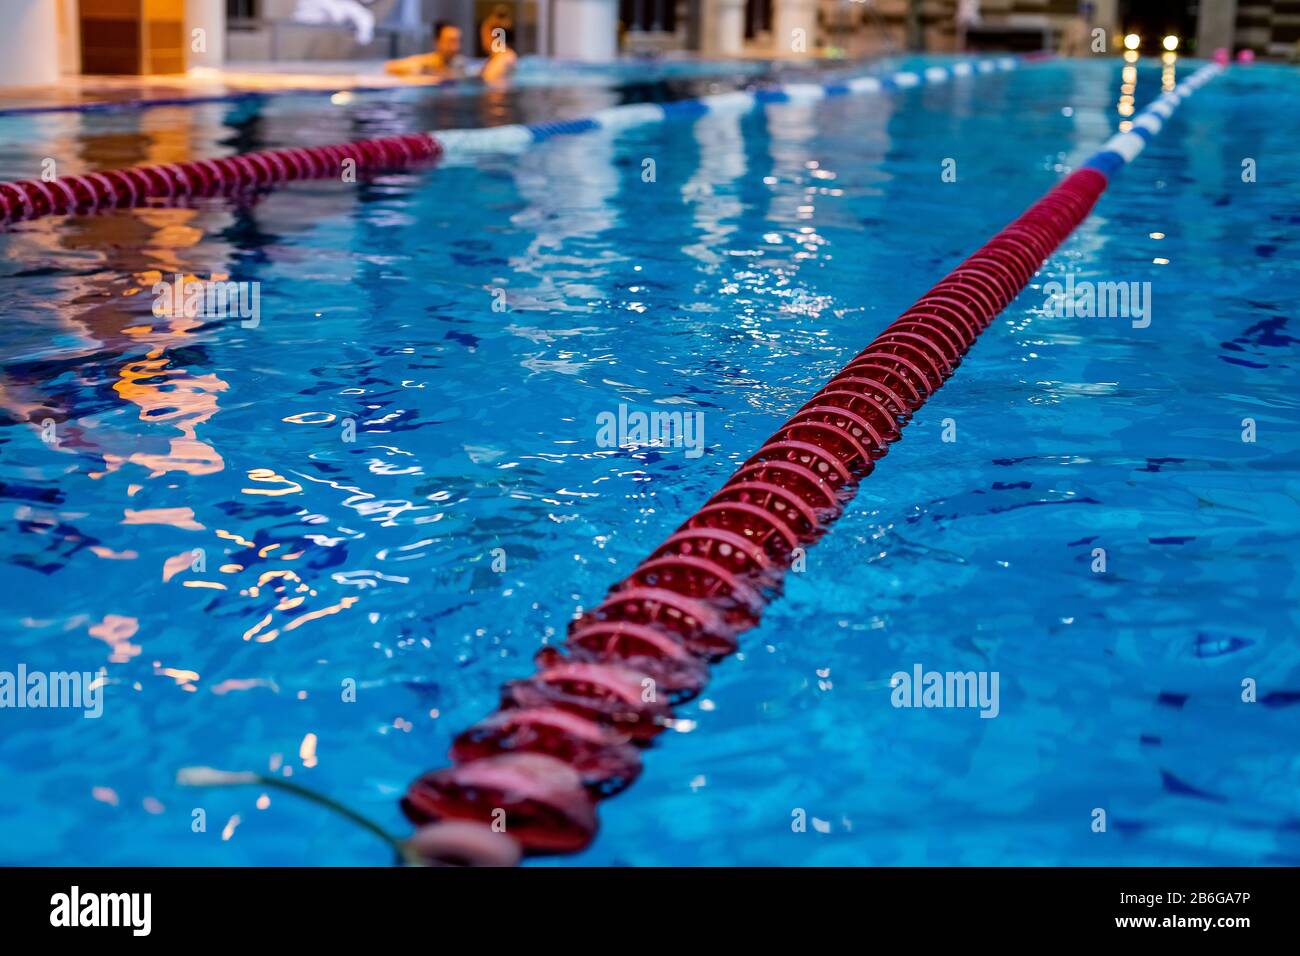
795, 27
1092, 121
210, 17
586, 30
791, 128
569, 185
724, 27
716, 206
29, 43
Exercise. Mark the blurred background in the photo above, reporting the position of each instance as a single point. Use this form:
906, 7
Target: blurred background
46, 40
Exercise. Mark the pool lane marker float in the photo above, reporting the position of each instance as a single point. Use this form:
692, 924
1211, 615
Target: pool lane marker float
228, 175
234, 175
568, 735
518, 136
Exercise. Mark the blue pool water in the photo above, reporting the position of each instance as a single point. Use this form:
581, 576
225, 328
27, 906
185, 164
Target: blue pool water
768, 249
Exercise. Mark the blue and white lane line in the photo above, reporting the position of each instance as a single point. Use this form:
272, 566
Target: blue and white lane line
517, 136
1123, 148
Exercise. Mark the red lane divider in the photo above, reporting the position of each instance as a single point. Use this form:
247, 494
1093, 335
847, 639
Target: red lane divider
137, 185
568, 736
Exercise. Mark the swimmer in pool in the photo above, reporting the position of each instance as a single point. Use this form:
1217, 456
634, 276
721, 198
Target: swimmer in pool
1077, 33
444, 62
502, 59
492, 31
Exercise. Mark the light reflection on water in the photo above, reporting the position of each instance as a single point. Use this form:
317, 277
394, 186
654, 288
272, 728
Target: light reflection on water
204, 530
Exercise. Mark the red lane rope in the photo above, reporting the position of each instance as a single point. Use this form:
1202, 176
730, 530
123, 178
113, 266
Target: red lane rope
137, 185
568, 735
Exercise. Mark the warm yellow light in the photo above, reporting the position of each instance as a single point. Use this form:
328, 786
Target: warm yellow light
1170, 43
1132, 41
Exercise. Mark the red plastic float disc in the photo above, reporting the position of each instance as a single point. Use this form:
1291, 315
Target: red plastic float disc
811, 490
820, 464
937, 332
995, 281
545, 805
984, 299
603, 758
881, 418
959, 312
728, 550
812, 430
924, 354
660, 656
702, 579
764, 528
612, 694
864, 434
785, 504
696, 626
869, 384
907, 370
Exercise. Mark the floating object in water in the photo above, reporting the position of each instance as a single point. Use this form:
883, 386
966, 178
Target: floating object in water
539, 800
248, 172
458, 843
228, 175
710, 579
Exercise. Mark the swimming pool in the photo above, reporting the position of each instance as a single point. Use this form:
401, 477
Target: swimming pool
763, 252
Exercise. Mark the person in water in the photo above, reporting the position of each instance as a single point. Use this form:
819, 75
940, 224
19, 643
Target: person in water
445, 60
492, 32
502, 59
1077, 34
